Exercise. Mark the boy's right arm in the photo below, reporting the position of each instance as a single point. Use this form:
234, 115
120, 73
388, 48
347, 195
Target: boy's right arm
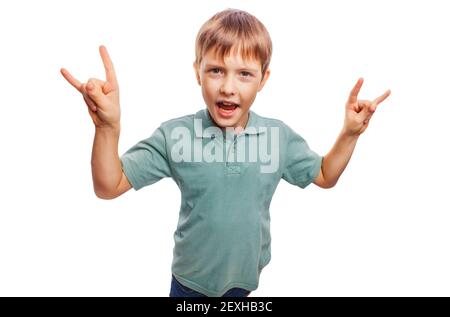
103, 104
107, 175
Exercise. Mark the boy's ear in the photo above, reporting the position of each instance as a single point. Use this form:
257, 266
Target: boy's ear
264, 79
197, 75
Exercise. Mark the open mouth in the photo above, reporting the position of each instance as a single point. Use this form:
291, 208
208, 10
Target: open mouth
226, 109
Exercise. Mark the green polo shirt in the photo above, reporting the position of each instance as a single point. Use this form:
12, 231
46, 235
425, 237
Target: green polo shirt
227, 181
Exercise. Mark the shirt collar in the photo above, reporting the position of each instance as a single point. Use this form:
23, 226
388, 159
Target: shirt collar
253, 125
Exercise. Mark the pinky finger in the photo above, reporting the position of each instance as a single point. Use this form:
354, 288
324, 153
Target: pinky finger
382, 97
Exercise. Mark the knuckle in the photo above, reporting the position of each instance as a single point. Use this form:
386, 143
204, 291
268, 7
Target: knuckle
93, 81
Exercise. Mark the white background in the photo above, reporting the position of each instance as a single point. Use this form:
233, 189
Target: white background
382, 231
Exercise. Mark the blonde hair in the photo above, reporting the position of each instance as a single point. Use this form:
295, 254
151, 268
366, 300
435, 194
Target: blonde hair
233, 28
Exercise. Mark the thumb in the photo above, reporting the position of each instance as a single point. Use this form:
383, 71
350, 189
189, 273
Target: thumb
365, 109
367, 112
95, 92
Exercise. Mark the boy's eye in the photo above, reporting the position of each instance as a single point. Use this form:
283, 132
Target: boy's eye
215, 70
219, 71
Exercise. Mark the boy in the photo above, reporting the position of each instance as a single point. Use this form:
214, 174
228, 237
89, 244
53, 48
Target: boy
219, 157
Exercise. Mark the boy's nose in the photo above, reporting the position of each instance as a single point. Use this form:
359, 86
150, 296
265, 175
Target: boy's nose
228, 86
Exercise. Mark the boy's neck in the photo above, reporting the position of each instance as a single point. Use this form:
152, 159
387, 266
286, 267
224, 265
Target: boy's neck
239, 128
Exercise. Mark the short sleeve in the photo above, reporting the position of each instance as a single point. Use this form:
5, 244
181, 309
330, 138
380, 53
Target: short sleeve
302, 165
146, 162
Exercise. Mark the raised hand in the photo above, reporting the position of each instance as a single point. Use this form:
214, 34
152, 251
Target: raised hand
101, 97
359, 112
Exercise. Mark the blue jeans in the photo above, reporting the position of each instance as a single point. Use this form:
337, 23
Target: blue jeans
179, 290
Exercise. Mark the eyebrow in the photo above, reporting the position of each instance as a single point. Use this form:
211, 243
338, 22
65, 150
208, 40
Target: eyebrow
242, 68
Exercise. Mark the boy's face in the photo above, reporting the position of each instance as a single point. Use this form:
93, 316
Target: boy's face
235, 81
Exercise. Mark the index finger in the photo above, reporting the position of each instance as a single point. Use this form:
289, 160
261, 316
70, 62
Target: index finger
355, 91
72, 80
109, 67
382, 97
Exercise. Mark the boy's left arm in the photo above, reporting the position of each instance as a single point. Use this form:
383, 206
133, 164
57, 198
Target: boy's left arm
357, 117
